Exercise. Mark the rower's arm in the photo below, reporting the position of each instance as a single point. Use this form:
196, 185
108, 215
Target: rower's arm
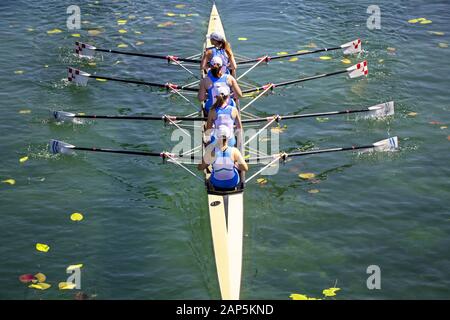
242, 165
233, 66
236, 89
237, 118
203, 165
211, 117
202, 92
205, 58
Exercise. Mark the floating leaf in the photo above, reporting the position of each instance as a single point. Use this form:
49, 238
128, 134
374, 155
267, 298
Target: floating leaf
74, 266
40, 286
94, 32
76, 216
10, 181
26, 278
131, 17
148, 17
171, 14
412, 114
121, 22
380, 60
75, 35
443, 127
166, 24
320, 119
311, 45
18, 72
139, 43
261, 180
42, 247
137, 32
23, 159
302, 51
66, 285
192, 14
92, 64
242, 39
122, 45
180, 6
346, 61
391, 49
40, 277
436, 33
330, 292
296, 296
54, 31
325, 58
281, 53
443, 45
306, 176
413, 21
123, 31
313, 191
101, 80
30, 29
26, 111
426, 22
182, 15
293, 59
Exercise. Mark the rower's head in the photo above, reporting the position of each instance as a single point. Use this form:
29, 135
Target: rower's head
221, 97
217, 40
216, 66
223, 134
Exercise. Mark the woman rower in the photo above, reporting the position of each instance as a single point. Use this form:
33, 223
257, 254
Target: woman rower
215, 79
225, 161
222, 49
223, 113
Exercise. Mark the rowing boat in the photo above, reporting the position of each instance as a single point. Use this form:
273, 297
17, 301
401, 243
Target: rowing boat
226, 208
226, 213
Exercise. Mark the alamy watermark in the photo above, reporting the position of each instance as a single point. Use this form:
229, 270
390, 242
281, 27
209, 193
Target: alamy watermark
374, 20
374, 280
73, 22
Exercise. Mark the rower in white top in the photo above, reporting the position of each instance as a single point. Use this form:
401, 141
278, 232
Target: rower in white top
223, 113
222, 49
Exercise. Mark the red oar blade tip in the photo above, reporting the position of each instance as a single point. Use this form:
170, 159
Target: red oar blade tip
382, 110
352, 47
358, 70
77, 76
84, 50
57, 146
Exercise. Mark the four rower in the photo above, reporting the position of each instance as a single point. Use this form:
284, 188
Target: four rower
222, 49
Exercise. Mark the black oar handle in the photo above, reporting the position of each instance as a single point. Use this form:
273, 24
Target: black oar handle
269, 58
286, 83
145, 83
163, 155
164, 117
155, 56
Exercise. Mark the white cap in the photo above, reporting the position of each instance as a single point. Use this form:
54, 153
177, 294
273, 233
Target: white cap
216, 60
223, 131
216, 36
223, 90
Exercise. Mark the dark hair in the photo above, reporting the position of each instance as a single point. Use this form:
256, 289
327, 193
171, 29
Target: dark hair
220, 99
216, 70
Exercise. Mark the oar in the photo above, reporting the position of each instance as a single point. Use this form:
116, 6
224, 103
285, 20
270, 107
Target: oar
358, 70
81, 78
71, 117
378, 111
84, 50
348, 48
386, 145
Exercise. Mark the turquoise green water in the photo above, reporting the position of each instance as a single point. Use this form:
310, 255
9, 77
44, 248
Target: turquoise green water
145, 233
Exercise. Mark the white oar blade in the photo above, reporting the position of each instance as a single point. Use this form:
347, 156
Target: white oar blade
381, 110
77, 76
386, 145
62, 116
84, 50
352, 47
358, 70
57, 146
